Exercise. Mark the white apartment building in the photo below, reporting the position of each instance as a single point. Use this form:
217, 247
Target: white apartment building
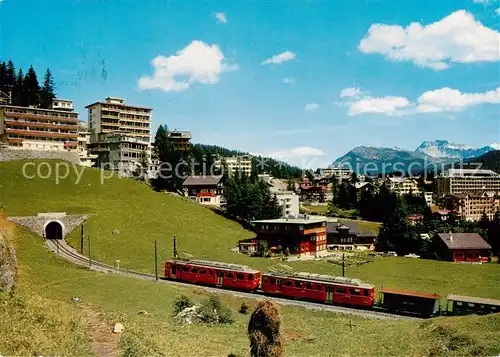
428, 198
86, 157
39, 129
339, 172
471, 206
289, 202
234, 164
114, 115
456, 181
402, 185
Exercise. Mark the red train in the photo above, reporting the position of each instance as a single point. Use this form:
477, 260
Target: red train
321, 288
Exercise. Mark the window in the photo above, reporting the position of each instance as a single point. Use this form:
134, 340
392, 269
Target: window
229, 275
240, 276
340, 290
319, 287
185, 269
355, 292
471, 305
308, 285
263, 279
298, 284
367, 292
250, 277
273, 281
288, 283
211, 272
203, 271
194, 270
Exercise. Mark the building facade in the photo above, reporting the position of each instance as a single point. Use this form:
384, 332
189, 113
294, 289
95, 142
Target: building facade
402, 185
206, 190
181, 140
338, 172
86, 157
289, 202
350, 236
234, 164
305, 236
463, 247
468, 180
39, 129
120, 152
114, 115
471, 206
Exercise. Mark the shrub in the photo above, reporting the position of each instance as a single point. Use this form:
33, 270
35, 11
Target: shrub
181, 303
213, 312
243, 309
263, 331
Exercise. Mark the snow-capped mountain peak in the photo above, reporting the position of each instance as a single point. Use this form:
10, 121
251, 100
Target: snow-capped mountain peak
445, 149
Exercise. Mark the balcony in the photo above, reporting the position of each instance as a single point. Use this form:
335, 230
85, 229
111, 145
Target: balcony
42, 117
24, 124
43, 134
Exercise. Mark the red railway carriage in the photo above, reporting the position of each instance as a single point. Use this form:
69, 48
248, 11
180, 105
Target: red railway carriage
231, 276
322, 288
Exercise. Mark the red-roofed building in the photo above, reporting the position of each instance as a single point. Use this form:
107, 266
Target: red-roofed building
311, 192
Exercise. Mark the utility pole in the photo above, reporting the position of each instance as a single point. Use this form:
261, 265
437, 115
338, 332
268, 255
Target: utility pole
81, 239
90, 261
156, 260
175, 247
343, 264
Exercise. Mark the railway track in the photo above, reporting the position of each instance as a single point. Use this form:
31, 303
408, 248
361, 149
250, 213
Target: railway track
65, 251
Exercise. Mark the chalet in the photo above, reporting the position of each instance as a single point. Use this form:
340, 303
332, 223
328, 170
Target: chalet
350, 236
402, 185
311, 192
463, 247
305, 236
206, 190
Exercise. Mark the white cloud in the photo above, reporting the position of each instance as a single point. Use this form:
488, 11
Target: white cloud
288, 80
433, 101
350, 92
457, 38
280, 58
485, 2
311, 107
196, 63
383, 105
452, 100
221, 18
497, 11
495, 146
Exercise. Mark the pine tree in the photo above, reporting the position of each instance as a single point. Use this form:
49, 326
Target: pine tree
494, 233
10, 77
18, 91
47, 91
343, 197
31, 88
395, 233
3, 72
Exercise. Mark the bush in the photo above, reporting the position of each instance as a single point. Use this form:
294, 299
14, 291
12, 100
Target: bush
181, 303
213, 312
243, 309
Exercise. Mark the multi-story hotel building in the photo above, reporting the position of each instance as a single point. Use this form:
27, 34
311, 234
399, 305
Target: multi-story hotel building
342, 173
472, 206
234, 164
39, 129
468, 181
86, 157
114, 115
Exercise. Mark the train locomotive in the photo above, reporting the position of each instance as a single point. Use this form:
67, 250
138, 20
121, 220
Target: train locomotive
320, 288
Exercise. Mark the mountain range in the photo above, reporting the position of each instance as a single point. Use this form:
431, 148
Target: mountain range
364, 159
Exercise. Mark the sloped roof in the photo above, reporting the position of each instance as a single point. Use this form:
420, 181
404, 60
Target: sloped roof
464, 241
354, 228
202, 180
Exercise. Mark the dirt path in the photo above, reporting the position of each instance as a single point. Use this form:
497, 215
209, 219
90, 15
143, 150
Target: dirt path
104, 342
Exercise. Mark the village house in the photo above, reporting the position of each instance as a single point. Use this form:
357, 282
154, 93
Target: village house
206, 190
350, 236
304, 236
402, 185
463, 247
312, 193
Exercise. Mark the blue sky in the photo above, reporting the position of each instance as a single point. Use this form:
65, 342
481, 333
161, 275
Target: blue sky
402, 85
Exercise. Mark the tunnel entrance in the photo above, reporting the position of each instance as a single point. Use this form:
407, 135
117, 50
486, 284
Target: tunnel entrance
54, 231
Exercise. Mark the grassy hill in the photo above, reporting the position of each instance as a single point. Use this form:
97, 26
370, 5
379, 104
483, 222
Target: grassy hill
143, 216
306, 333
